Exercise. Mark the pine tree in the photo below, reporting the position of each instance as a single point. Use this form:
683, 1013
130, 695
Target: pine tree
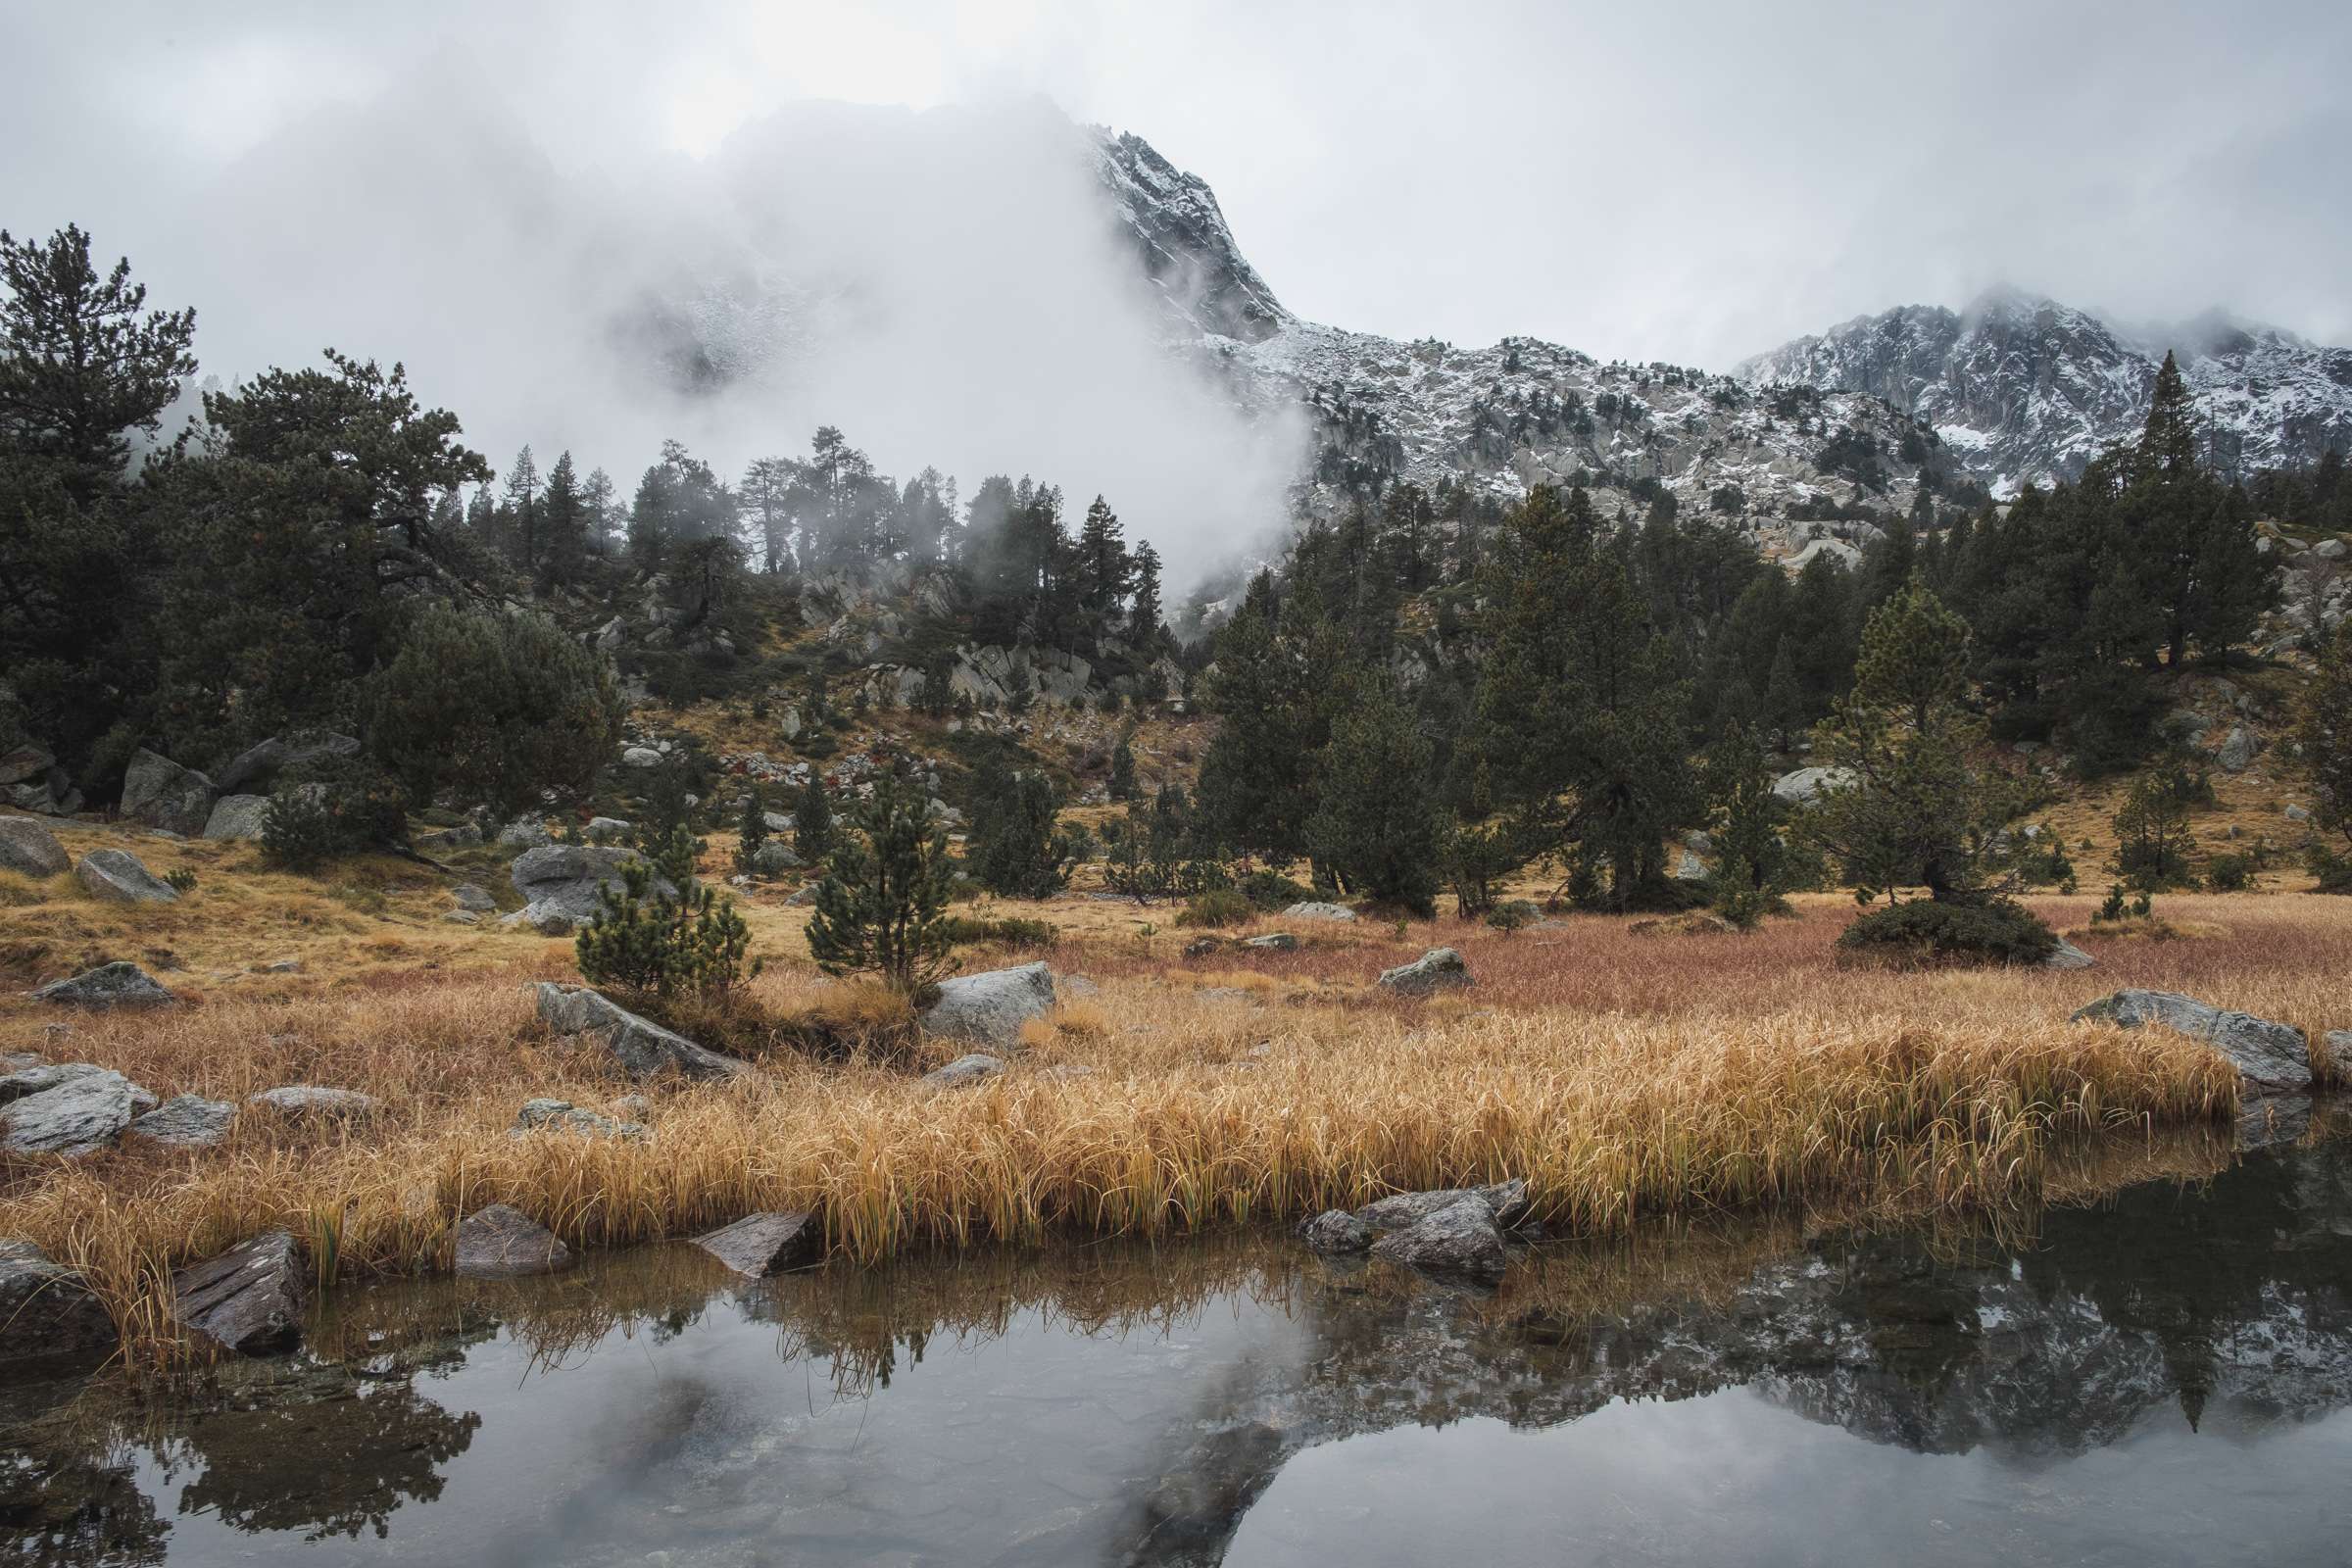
602, 512
1374, 824
812, 834
766, 493
565, 526
1144, 614
2324, 732
1015, 848
881, 909
1122, 767
1103, 566
519, 509
664, 933
751, 833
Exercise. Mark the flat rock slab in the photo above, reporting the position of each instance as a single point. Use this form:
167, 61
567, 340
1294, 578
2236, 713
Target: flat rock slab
2066, 956
119, 984
46, 1310
187, 1121
249, 1300
500, 1242
988, 1009
965, 1071
1459, 1241
1318, 912
1273, 942
561, 1115
30, 849
643, 1049
309, 1100
760, 1245
80, 1116
1438, 969
118, 875
39, 1077
2271, 1058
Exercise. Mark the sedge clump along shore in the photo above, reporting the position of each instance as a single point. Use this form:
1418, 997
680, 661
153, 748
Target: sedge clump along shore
1624, 1077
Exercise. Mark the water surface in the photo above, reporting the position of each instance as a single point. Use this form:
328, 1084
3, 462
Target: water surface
2160, 1378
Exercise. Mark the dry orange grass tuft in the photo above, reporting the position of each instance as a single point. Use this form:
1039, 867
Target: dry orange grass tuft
1623, 1077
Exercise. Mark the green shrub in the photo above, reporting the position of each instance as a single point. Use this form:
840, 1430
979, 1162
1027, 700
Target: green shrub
1272, 891
2333, 871
182, 878
1220, 906
2233, 873
965, 930
347, 809
1925, 931
643, 939
881, 906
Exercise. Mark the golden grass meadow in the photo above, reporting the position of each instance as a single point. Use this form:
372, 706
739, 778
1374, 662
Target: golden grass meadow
1625, 1077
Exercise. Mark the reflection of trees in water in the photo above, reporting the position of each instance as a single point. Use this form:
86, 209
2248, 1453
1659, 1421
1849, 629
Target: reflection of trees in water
76, 1511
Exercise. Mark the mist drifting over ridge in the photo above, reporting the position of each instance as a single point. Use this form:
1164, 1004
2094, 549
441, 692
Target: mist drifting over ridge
949, 286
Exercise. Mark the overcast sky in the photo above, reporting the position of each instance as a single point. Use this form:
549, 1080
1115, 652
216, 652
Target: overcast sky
1686, 181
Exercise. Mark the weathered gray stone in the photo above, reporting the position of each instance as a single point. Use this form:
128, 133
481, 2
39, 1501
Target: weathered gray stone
561, 1115
500, 1242
47, 1312
2270, 1058
37, 1077
1457, 1240
256, 769
159, 793
1806, 782
469, 896
238, 818
802, 897
965, 1071
309, 1100
560, 883
448, 839
1318, 912
119, 984
1435, 970
1506, 1202
525, 835
760, 1245
2238, 749
118, 874
1273, 942
247, 1300
2336, 1048
28, 848
188, 1121
29, 760
640, 757
2066, 956
990, 1009
606, 830
774, 857
1336, 1231
642, 1047
81, 1115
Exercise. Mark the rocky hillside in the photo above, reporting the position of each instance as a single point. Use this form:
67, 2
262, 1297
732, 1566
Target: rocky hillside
2023, 389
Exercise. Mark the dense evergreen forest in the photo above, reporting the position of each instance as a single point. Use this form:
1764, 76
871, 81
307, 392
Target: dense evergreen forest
1431, 691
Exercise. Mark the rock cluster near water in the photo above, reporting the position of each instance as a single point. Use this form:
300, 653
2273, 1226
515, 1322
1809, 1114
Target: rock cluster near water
759, 1244
2271, 1058
502, 1243
47, 1312
249, 1300
1453, 1232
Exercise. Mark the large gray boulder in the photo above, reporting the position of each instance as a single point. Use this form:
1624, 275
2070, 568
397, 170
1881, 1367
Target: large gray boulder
256, 769
561, 1115
118, 875
238, 818
159, 793
1312, 910
500, 1242
46, 1310
29, 762
119, 984
30, 849
642, 1047
25, 1079
1506, 1202
2238, 749
965, 1071
249, 1300
187, 1121
1438, 969
310, 1100
988, 1009
528, 834
760, 1245
79, 1117
1459, 1241
2271, 1057
1803, 784
560, 883
1336, 1231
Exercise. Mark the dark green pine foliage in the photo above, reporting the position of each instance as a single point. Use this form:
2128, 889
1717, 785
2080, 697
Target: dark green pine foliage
1015, 848
1122, 767
646, 941
750, 832
1104, 570
881, 909
1375, 827
813, 829
1752, 856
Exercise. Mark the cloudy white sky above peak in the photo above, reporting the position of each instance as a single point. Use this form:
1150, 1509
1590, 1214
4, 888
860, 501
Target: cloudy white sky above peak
1690, 181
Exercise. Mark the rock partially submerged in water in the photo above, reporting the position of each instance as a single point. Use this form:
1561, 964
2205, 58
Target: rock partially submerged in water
500, 1242
1459, 1241
642, 1047
1438, 969
1336, 1231
187, 1121
80, 1115
247, 1300
2271, 1058
119, 984
46, 1310
988, 1009
760, 1245
1506, 1203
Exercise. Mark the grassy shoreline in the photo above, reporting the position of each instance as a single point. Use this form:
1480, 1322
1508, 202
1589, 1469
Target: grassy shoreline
1624, 1077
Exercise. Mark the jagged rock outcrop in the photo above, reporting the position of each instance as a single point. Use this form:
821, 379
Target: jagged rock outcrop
161, 794
83, 1115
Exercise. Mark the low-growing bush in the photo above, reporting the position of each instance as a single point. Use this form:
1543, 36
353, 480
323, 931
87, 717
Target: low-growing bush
969, 930
311, 821
1217, 908
2233, 873
648, 942
182, 878
1272, 891
1925, 932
